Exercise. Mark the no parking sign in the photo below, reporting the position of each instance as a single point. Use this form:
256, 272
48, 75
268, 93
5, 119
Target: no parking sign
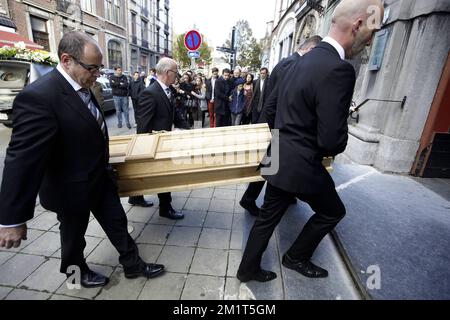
192, 40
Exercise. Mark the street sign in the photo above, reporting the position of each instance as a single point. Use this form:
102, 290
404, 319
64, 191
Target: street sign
194, 54
224, 49
192, 40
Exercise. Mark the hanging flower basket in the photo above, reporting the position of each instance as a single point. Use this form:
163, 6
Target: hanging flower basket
20, 52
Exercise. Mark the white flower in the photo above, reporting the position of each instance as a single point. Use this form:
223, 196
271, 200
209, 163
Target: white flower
20, 45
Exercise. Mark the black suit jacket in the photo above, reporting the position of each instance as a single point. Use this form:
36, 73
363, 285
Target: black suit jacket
222, 92
270, 106
155, 112
312, 111
257, 97
56, 148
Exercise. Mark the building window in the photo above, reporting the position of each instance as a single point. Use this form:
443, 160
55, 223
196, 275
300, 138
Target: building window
157, 39
134, 59
88, 5
133, 24
40, 33
157, 9
113, 11
144, 30
114, 54
144, 62
166, 44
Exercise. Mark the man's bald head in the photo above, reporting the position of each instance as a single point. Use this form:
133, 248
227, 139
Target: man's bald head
354, 22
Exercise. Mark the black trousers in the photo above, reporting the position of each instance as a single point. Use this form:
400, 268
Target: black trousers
165, 200
112, 218
328, 208
253, 190
223, 120
135, 105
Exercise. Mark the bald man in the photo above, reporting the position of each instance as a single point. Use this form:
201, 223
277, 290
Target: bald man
311, 117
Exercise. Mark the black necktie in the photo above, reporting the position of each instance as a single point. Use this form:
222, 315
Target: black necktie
85, 95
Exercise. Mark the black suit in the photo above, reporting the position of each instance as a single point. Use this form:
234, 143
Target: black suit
259, 98
222, 92
267, 115
156, 112
311, 117
58, 149
270, 106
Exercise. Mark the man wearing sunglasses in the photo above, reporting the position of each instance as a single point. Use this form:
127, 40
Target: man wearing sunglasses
59, 148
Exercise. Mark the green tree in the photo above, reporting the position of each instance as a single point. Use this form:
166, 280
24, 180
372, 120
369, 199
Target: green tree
251, 57
248, 49
180, 53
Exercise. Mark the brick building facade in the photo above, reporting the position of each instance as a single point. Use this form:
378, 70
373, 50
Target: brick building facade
132, 34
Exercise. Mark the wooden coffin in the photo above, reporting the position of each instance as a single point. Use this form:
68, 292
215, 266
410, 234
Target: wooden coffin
191, 159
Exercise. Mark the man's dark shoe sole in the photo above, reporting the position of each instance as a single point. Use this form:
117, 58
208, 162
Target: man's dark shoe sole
139, 274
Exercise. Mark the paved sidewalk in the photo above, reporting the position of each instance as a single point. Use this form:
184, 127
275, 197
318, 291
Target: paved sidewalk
201, 254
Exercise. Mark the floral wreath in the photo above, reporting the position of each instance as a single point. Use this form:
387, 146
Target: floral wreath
20, 52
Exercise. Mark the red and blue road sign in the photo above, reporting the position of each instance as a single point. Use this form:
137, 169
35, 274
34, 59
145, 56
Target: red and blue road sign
192, 40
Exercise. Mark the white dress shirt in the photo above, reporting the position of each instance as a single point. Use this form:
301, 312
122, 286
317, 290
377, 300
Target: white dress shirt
76, 87
336, 45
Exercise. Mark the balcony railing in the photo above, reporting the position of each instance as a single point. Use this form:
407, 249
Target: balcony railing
145, 43
134, 40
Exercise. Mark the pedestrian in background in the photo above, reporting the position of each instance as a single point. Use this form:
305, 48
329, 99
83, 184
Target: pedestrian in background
248, 92
136, 87
237, 105
120, 87
200, 94
210, 86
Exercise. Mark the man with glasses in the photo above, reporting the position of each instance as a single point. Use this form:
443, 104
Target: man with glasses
156, 112
59, 148
120, 86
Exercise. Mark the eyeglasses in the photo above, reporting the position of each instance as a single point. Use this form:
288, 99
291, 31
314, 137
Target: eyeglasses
89, 67
176, 72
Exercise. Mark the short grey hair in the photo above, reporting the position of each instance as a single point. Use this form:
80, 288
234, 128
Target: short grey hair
73, 43
310, 42
164, 65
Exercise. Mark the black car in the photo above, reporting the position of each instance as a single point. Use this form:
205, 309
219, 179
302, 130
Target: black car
108, 101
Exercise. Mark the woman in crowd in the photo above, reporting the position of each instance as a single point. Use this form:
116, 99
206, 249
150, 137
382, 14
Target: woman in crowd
248, 92
200, 94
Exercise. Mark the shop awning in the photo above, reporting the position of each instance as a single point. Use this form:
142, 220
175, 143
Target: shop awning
10, 39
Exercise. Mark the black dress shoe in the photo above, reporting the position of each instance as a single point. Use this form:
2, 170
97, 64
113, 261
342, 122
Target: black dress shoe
305, 267
150, 270
250, 207
91, 279
139, 201
171, 213
261, 276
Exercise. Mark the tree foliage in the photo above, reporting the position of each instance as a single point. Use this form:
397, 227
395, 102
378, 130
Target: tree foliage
248, 49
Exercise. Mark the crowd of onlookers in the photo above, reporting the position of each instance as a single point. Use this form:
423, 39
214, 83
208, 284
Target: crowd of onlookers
229, 99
